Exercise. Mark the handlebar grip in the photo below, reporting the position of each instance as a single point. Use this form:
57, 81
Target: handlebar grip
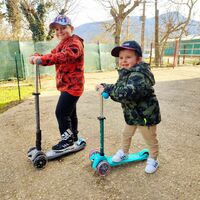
105, 95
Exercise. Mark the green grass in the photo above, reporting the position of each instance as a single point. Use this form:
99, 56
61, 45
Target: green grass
9, 95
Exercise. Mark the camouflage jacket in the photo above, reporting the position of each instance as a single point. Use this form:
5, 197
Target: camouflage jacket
134, 90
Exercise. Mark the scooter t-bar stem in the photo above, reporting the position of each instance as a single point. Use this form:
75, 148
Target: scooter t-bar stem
101, 120
37, 79
101, 106
37, 110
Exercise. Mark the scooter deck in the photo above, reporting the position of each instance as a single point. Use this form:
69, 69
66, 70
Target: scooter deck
96, 158
79, 145
133, 157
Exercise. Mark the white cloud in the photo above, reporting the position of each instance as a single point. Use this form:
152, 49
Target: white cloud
89, 11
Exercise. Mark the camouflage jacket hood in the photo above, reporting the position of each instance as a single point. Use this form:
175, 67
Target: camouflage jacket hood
144, 68
134, 90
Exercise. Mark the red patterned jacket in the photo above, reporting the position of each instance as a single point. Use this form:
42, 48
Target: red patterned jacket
68, 58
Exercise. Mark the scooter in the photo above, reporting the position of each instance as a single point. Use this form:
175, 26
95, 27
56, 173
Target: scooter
35, 154
103, 163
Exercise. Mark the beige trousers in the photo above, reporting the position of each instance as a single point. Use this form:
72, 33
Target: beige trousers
149, 135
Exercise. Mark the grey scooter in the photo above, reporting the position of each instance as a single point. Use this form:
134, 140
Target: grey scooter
35, 154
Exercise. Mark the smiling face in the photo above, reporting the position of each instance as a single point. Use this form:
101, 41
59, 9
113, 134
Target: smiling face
128, 58
63, 32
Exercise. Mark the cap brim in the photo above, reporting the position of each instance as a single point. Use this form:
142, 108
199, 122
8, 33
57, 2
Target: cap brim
52, 25
116, 50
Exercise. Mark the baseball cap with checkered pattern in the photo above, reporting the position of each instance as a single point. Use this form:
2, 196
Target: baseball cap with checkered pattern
62, 20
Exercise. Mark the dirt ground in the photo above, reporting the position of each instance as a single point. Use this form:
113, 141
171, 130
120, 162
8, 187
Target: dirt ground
72, 177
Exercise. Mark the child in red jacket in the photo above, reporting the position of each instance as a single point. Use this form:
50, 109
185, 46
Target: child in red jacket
68, 57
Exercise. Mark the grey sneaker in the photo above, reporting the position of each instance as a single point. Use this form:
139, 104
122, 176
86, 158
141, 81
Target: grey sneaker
119, 156
152, 166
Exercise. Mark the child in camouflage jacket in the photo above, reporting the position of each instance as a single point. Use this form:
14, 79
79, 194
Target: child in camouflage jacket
134, 90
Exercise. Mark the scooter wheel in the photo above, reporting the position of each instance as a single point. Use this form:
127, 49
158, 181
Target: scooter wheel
103, 168
40, 161
93, 152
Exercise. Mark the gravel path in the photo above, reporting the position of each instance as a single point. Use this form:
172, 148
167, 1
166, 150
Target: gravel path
71, 177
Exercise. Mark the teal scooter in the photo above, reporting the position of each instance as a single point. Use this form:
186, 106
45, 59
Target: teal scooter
103, 163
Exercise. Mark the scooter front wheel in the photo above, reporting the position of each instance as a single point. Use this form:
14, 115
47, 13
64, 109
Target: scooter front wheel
40, 161
103, 168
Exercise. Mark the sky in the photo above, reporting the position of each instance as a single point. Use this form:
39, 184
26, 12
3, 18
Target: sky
88, 11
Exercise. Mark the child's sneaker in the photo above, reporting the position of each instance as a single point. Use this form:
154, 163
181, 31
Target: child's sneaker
65, 142
152, 166
119, 156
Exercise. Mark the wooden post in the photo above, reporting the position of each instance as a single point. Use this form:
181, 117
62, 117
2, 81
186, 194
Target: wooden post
184, 52
143, 26
175, 53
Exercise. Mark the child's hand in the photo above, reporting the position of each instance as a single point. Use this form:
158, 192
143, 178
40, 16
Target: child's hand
35, 60
99, 89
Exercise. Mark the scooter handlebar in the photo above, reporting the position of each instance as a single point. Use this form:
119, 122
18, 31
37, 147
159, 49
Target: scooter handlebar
105, 95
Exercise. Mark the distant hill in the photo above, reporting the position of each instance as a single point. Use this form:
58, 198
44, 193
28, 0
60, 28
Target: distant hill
90, 32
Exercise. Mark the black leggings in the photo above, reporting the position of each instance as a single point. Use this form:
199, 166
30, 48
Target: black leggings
66, 113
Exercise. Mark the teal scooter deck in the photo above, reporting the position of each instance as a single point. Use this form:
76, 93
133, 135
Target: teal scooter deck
132, 157
96, 158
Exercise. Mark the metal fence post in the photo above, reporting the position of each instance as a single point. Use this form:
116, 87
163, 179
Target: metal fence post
17, 74
99, 51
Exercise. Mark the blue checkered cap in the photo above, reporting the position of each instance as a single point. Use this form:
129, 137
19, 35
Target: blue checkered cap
62, 20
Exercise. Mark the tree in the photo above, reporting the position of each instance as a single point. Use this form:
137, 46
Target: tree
174, 25
119, 10
14, 17
190, 5
64, 7
157, 45
35, 12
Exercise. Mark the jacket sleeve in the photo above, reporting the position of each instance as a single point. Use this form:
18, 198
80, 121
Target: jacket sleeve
72, 51
37, 54
136, 89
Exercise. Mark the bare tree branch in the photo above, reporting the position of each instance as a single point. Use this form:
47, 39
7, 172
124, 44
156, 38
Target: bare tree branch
175, 27
119, 10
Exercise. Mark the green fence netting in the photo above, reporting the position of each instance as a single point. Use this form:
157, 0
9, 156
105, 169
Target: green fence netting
10, 59
14, 58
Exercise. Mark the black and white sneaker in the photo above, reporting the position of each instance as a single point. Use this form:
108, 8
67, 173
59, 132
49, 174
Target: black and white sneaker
65, 143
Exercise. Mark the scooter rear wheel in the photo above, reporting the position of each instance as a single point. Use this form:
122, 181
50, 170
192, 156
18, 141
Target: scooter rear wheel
93, 152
